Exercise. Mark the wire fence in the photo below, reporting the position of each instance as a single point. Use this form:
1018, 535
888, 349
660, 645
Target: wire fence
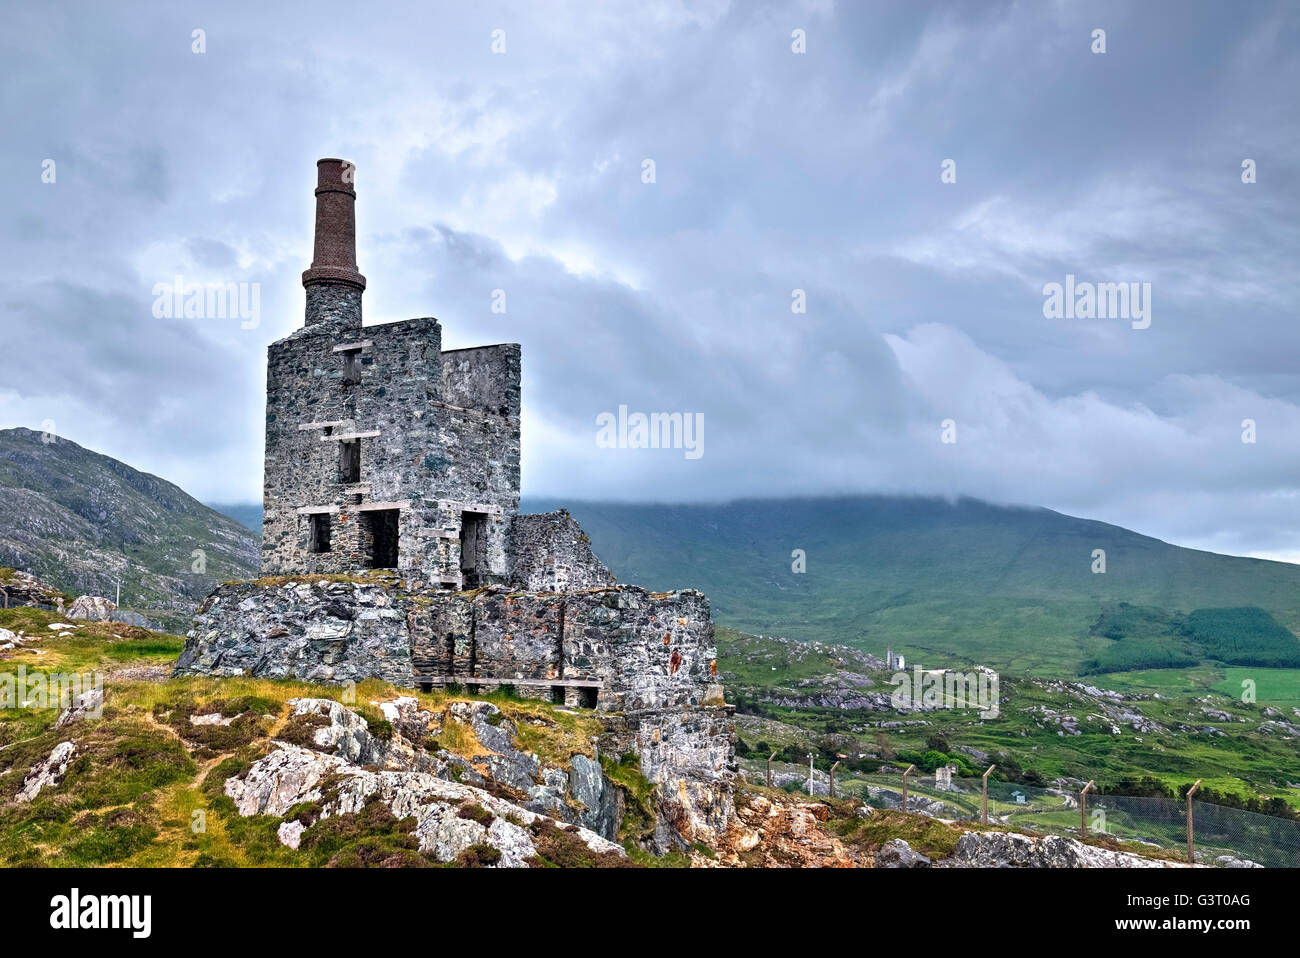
1219, 832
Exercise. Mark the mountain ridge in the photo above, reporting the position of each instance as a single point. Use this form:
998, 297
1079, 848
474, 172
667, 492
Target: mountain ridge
82, 521
948, 580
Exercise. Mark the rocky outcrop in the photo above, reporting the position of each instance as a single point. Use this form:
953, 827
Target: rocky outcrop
330, 757
579, 795
93, 608
768, 832
896, 853
689, 755
23, 588
1013, 850
46, 773
917, 804
88, 705
1231, 861
451, 818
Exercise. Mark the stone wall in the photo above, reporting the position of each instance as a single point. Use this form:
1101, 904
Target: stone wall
483, 378
518, 636
650, 650
647, 650
382, 387
318, 631
549, 552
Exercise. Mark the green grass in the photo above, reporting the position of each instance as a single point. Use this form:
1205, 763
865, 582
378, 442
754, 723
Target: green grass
143, 774
1279, 688
1023, 743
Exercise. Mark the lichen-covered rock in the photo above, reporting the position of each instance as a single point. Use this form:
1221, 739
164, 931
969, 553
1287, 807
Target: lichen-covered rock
1231, 861
917, 804
689, 755
1013, 850
88, 705
292, 775
896, 853
93, 608
598, 800
779, 832
47, 773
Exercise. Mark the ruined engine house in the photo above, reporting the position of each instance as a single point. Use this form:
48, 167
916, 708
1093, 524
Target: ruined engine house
384, 451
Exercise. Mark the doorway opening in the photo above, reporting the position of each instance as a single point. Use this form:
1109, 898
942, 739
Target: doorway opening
379, 538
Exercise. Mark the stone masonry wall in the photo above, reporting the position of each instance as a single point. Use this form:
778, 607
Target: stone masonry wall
651, 650
549, 552
483, 378
316, 631
429, 459
648, 650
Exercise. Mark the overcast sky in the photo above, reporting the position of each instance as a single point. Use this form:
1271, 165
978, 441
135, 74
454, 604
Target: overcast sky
774, 171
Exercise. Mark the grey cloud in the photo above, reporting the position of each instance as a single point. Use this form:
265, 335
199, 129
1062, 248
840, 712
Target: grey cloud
775, 172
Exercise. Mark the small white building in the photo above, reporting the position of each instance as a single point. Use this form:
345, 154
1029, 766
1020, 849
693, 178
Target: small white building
894, 662
943, 777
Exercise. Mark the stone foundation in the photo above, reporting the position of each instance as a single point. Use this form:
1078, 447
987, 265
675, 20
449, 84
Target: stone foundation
645, 661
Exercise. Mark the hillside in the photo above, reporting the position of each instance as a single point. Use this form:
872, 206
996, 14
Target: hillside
1165, 729
82, 521
245, 772
965, 581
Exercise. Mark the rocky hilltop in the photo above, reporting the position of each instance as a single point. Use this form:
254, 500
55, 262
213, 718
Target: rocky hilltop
241, 771
83, 521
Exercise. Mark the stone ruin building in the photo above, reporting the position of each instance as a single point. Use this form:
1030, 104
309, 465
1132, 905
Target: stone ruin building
383, 451
386, 452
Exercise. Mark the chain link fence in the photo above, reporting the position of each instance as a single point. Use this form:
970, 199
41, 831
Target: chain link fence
1219, 832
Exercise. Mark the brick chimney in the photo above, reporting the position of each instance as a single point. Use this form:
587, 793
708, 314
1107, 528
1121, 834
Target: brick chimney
334, 284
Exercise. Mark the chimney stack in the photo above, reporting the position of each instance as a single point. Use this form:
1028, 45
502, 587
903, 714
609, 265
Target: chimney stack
334, 284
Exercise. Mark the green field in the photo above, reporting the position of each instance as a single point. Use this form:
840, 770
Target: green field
1279, 688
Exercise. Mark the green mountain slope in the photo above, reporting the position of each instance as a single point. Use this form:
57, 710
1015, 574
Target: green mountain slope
1010, 588
82, 521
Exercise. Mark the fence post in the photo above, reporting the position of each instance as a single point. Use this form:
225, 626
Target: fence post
1191, 850
908, 771
984, 797
769, 769
1083, 810
831, 790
